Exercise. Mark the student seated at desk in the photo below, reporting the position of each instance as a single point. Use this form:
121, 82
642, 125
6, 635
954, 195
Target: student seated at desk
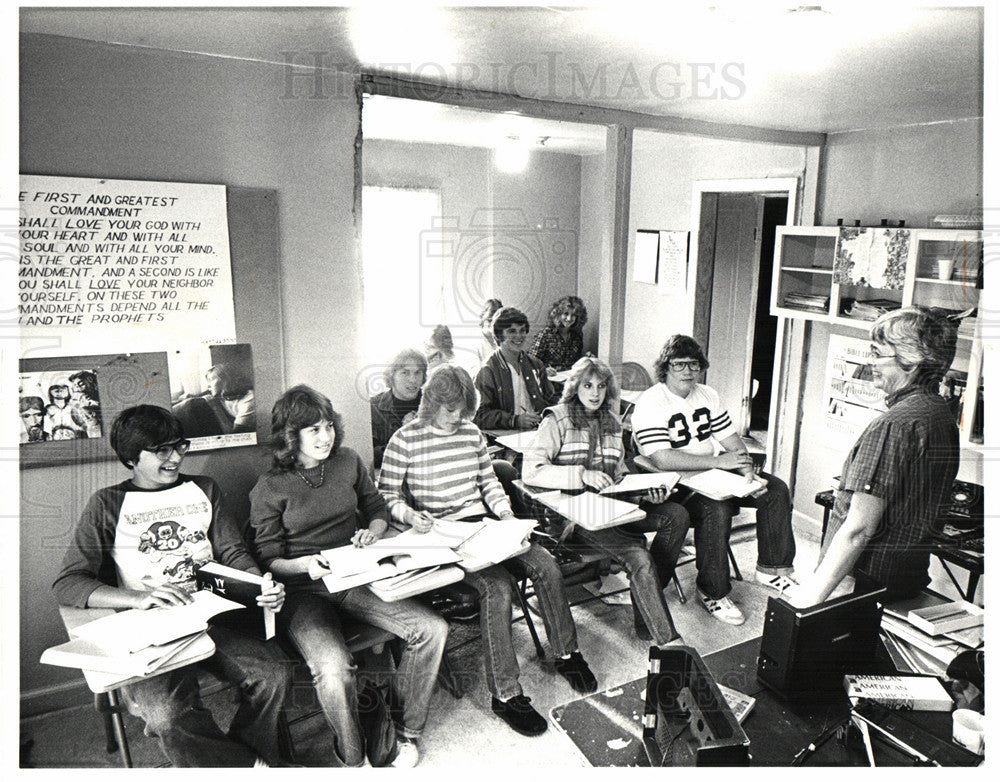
900, 470
560, 343
311, 500
513, 385
681, 425
440, 465
398, 404
135, 547
578, 446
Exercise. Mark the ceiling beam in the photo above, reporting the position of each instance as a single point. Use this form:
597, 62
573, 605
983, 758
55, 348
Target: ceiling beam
393, 86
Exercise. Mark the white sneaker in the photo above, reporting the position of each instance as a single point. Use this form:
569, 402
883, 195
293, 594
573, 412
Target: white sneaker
407, 754
723, 609
778, 583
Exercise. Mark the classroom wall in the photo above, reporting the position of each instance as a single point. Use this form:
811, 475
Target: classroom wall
593, 267
913, 174
534, 218
96, 110
664, 169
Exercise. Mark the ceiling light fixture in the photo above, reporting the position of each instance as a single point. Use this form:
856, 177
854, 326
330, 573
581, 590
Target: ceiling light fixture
511, 155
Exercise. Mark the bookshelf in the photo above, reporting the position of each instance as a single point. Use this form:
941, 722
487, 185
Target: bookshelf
809, 283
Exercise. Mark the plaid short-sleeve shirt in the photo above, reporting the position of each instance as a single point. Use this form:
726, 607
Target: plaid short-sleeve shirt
908, 457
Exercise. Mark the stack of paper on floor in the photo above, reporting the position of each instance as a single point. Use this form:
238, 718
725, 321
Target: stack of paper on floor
914, 650
642, 482
722, 484
351, 566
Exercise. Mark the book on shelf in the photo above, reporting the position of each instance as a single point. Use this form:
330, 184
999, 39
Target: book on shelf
806, 301
642, 482
129, 631
244, 588
89, 656
352, 566
721, 484
912, 693
870, 309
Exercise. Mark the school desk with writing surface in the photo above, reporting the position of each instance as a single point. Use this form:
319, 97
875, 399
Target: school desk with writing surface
358, 636
606, 727
105, 686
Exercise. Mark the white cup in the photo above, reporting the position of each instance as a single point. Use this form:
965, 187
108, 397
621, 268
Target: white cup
967, 729
945, 268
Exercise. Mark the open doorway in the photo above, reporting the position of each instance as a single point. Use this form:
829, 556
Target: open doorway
735, 248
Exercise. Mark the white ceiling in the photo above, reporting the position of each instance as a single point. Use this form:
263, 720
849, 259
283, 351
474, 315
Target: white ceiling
836, 68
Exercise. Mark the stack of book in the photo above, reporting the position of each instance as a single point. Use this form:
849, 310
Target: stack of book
924, 634
807, 301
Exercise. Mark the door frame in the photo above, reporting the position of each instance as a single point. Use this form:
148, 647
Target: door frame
777, 186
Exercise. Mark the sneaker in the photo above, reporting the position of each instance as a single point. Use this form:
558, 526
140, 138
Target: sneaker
519, 714
575, 670
778, 583
723, 609
407, 753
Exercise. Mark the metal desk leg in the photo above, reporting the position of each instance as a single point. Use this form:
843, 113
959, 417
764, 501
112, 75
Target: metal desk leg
114, 712
519, 591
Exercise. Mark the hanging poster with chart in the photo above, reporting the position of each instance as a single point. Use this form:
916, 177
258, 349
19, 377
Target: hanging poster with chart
850, 396
110, 265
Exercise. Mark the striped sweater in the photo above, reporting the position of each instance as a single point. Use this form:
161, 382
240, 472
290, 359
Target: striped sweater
444, 474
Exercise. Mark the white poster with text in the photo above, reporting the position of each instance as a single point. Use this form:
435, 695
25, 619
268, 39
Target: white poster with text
111, 265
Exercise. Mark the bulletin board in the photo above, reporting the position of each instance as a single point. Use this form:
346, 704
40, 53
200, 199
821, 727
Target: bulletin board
141, 377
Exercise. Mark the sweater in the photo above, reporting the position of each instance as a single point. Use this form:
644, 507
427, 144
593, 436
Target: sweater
557, 456
444, 474
292, 519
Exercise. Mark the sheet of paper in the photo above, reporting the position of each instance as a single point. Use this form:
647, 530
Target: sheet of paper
721, 484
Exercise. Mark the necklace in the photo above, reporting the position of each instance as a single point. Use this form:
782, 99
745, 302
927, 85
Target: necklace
309, 483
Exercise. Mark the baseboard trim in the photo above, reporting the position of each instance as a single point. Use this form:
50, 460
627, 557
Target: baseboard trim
56, 697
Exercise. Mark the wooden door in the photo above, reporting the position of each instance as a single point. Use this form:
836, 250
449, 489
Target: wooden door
735, 271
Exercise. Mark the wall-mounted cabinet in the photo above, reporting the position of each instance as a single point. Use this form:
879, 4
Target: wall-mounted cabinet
850, 276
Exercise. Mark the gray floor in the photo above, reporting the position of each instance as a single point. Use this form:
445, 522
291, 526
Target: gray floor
465, 732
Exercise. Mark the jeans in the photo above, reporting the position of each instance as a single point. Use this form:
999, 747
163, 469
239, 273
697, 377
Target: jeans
171, 707
712, 522
495, 587
648, 571
312, 623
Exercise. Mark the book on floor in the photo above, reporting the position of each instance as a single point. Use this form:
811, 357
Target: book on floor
89, 656
129, 631
740, 703
721, 484
244, 588
939, 619
915, 693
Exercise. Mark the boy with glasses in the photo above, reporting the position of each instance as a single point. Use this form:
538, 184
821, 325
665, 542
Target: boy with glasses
680, 424
136, 546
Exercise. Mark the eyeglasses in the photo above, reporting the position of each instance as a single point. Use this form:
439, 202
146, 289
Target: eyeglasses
163, 452
873, 356
680, 365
